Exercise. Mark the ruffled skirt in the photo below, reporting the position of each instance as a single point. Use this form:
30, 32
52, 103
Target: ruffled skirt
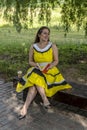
52, 81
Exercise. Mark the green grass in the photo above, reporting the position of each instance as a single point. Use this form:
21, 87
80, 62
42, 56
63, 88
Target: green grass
14, 49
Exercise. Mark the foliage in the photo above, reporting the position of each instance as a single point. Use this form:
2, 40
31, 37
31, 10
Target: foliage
75, 12
14, 49
23, 12
73, 54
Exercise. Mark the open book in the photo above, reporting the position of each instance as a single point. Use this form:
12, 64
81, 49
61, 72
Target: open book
44, 69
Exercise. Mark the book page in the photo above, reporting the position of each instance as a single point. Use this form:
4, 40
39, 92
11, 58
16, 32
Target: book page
44, 69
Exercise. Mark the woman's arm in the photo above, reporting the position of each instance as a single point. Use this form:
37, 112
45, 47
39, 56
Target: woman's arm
31, 59
55, 56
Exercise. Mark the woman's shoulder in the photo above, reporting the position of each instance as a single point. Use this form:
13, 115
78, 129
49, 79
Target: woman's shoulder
32, 46
54, 45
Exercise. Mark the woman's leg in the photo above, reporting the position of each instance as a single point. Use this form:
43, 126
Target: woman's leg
30, 96
43, 95
46, 104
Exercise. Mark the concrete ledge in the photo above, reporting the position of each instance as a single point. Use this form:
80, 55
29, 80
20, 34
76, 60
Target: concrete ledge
77, 96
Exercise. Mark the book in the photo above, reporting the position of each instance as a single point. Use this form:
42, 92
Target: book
44, 69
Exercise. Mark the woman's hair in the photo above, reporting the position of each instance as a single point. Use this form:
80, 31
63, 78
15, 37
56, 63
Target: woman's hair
37, 39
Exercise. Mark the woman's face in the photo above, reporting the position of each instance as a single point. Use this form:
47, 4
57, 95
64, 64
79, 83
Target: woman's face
44, 36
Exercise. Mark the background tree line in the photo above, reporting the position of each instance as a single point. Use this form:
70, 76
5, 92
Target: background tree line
21, 12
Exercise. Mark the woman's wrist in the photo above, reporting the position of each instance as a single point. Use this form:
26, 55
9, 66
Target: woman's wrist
51, 66
33, 64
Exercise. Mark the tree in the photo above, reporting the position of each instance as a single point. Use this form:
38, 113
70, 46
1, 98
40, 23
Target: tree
74, 12
21, 12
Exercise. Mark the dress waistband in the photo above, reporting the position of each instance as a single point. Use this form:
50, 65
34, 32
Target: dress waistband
44, 64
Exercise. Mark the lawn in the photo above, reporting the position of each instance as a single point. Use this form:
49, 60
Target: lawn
14, 49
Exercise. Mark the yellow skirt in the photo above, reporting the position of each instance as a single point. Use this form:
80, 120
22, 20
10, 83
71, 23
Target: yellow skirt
52, 81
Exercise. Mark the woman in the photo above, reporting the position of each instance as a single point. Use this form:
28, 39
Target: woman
46, 81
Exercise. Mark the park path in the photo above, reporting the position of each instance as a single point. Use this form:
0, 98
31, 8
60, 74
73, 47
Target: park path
65, 117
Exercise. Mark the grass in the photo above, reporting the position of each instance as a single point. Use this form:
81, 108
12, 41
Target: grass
14, 49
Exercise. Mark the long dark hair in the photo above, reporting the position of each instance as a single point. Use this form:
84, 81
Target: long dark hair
37, 39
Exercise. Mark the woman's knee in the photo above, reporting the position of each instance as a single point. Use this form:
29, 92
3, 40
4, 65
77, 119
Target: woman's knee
41, 90
33, 89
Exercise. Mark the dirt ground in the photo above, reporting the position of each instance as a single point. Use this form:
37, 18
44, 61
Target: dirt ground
72, 75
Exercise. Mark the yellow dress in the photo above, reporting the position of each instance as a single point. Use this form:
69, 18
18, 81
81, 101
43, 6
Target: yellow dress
52, 81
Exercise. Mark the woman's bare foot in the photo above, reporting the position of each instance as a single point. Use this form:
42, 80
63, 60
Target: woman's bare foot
23, 113
48, 108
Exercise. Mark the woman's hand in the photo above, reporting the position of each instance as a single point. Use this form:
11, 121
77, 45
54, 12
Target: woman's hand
37, 66
51, 66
